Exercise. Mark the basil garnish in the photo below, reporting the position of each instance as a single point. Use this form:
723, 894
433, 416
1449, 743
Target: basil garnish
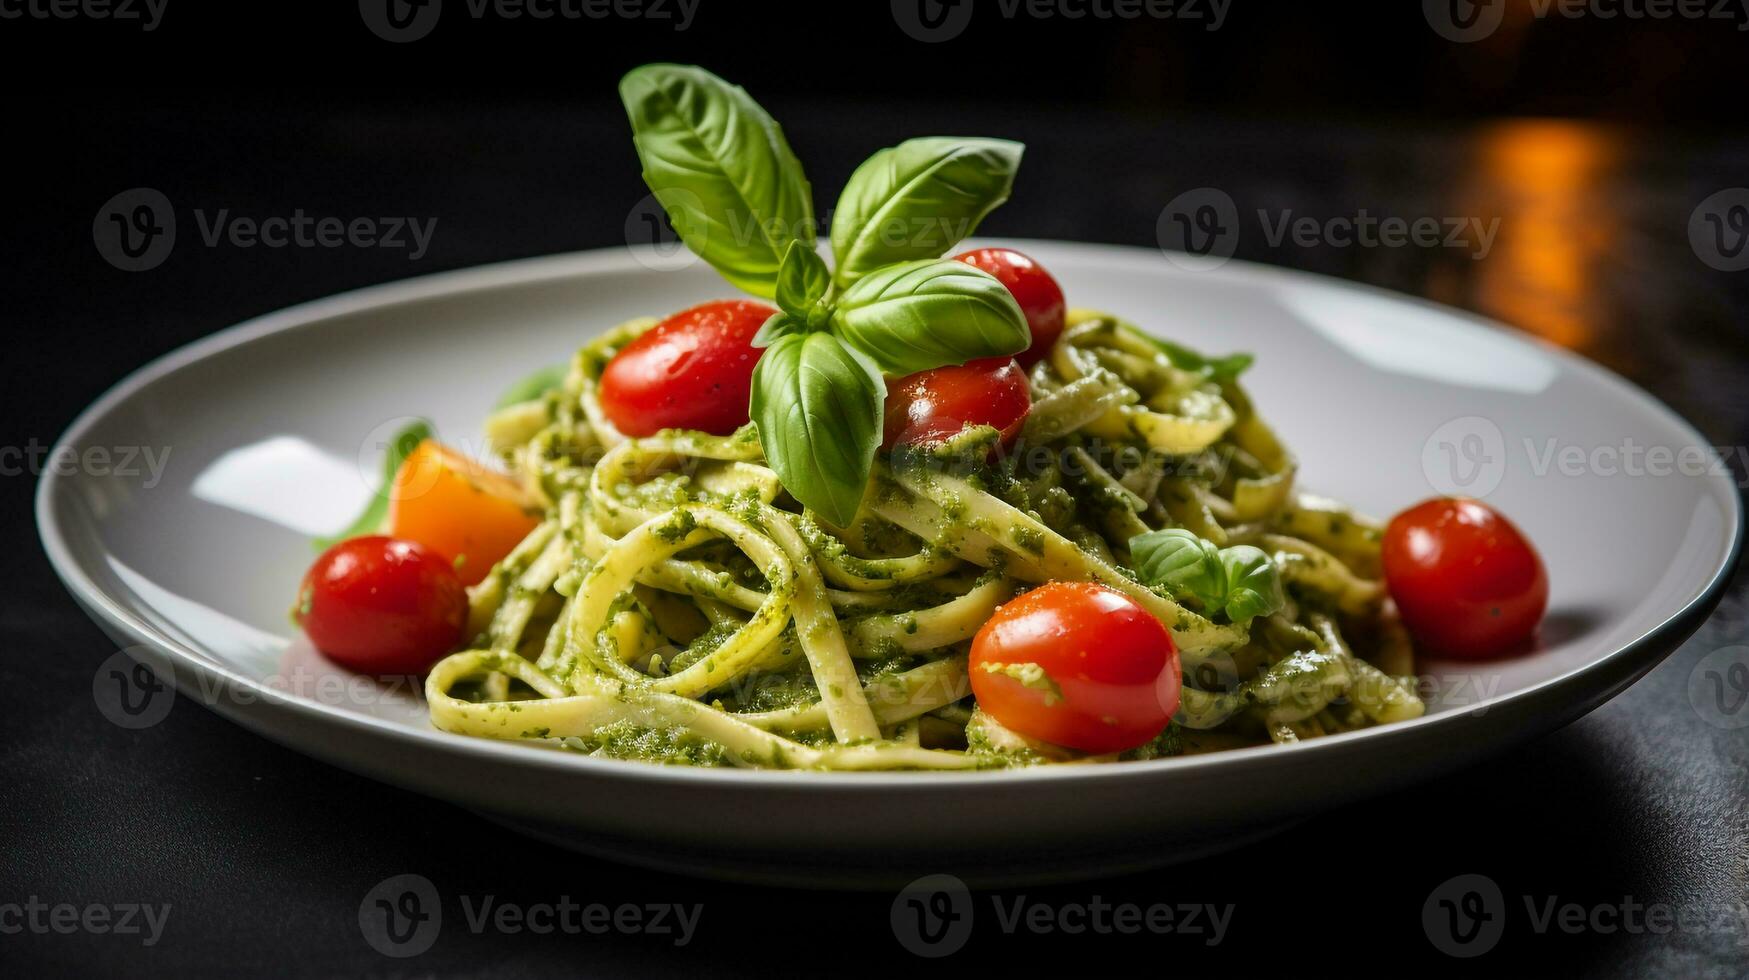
818, 407
1182, 562
920, 315
917, 200
1220, 370
780, 325
722, 170
533, 385
736, 194
1241, 580
1253, 587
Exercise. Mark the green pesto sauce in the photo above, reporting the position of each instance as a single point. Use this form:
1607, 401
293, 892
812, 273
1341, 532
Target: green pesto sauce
992, 756
663, 746
1165, 745
774, 691
1029, 539
1030, 676
702, 646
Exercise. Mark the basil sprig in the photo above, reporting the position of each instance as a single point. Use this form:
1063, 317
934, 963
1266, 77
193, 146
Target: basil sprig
1240, 581
737, 196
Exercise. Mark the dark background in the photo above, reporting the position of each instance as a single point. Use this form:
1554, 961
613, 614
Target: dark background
1592, 139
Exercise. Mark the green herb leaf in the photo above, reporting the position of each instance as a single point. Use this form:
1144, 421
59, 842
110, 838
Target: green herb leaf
1182, 562
920, 315
817, 405
377, 511
917, 200
1221, 370
780, 324
802, 283
1240, 581
1253, 584
722, 170
533, 386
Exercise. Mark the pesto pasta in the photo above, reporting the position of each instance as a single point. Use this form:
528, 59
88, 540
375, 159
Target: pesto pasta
677, 603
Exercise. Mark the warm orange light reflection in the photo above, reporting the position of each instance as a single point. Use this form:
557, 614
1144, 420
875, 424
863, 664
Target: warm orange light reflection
1544, 179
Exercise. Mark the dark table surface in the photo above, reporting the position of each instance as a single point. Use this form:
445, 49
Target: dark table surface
264, 856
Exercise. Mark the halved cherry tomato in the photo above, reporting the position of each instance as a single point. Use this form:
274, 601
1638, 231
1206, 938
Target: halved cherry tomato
930, 406
1467, 583
381, 606
693, 370
469, 514
1039, 296
1077, 664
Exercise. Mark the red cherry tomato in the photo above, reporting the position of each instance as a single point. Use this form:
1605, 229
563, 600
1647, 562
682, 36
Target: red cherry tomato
1039, 296
693, 370
930, 406
1110, 670
379, 605
1467, 583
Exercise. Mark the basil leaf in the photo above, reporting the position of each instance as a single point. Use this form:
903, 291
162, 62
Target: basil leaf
1221, 370
377, 511
533, 386
1253, 584
817, 405
802, 283
917, 200
1217, 369
1240, 581
780, 324
1182, 562
920, 315
722, 170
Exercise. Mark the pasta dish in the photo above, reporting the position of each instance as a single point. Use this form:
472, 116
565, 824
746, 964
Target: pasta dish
902, 512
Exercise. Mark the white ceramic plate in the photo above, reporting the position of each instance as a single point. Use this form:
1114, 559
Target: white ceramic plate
273, 429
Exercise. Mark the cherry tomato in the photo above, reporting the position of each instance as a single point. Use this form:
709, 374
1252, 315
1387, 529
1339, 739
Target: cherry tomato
930, 406
378, 605
1039, 296
1467, 583
1109, 669
693, 370
469, 514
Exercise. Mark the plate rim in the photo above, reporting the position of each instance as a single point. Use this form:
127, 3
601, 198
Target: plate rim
527, 271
